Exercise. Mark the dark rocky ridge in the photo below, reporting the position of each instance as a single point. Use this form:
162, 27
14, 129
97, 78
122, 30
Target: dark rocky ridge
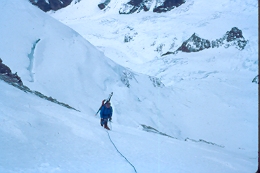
51, 4
255, 80
145, 5
7, 75
194, 44
168, 5
103, 5
131, 7
234, 37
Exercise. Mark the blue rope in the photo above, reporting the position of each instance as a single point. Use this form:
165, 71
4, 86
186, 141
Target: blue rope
120, 152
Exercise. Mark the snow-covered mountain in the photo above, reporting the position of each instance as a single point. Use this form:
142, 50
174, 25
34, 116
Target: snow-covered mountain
139, 41
187, 112
127, 7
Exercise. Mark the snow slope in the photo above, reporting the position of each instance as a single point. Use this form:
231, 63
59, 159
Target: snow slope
58, 62
40, 136
221, 77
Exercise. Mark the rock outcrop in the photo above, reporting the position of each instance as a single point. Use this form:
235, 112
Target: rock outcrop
103, 4
234, 37
47, 5
145, 5
130, 7
135, 6
255, 80
7, 75
168, 5
194, 44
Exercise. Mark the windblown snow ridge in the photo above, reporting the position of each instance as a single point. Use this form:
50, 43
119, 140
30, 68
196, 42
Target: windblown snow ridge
204, 141
153, 130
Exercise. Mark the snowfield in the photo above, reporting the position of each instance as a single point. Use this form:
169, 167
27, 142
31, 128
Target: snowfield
184, 112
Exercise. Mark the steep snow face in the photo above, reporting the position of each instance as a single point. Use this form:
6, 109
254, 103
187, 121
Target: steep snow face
41, 51
38, 136
213, 88
56, 61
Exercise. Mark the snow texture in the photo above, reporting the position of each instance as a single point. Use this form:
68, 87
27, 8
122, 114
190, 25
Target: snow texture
185, 112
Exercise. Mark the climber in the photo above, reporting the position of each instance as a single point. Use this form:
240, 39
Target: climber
106, 113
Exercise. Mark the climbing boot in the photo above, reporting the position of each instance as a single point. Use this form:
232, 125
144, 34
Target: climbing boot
106, 127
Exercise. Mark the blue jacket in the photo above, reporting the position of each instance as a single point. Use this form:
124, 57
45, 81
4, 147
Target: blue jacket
106, 112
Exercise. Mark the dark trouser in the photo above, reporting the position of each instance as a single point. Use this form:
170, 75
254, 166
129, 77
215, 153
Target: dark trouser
103, 121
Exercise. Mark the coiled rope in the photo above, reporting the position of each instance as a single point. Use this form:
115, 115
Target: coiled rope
120, 152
